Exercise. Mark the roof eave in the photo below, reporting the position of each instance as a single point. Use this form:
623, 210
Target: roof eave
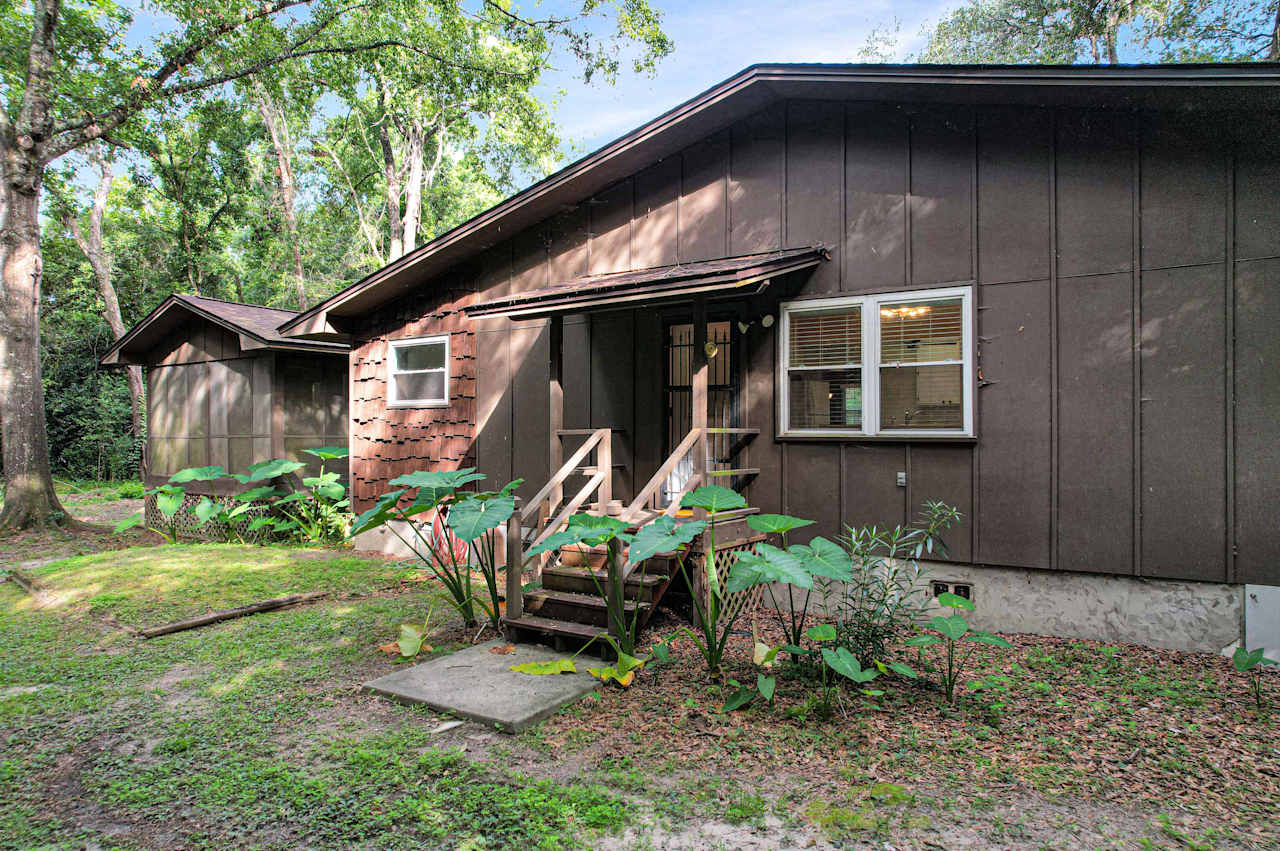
752, 88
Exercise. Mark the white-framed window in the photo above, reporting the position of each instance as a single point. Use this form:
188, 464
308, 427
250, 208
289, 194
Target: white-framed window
418, 373
889, 364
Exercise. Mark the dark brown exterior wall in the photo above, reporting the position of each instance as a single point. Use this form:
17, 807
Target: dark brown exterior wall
1127, 267
209, 402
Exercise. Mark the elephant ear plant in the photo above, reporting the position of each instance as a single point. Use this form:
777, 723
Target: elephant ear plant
954, 632
461, 533
169, 499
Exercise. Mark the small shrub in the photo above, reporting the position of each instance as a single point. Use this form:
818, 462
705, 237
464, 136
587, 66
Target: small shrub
130, 490
886, 595
953, 632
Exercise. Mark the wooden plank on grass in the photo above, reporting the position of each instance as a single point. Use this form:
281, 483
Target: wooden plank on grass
228, 614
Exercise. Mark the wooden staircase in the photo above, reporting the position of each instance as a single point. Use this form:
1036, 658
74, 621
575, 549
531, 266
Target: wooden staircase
565, 603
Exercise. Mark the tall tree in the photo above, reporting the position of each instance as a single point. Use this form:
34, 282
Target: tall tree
72, 76
1105, 31
94, 247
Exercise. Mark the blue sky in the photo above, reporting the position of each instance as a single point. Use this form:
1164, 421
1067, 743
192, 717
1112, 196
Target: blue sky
714, 39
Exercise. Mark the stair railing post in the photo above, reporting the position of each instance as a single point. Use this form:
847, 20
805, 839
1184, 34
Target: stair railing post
701, 397
604, 464
515, 563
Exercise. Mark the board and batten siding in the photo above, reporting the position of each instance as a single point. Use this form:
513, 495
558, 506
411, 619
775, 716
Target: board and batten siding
1127, 271
211, 403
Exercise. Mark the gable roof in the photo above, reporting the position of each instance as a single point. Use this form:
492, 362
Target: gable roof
1207, 86
254, 324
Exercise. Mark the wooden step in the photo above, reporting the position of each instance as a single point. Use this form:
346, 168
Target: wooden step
578, 579
574, 607
550, 626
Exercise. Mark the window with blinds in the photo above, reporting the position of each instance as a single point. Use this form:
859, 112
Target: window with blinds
877, 364
418, 372
824, 370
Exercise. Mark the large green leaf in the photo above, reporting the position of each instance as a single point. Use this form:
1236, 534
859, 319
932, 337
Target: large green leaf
953, 627
663, 535
766, 686
563, 538
470, 517
197, 474
777, 524
846, 664
130, 522
1246, 660
547, 668
955, 601
205, 510
329, 453
623, 672
268, 470
821, 632
410, 640
382, 511
169, 500
739, 699
988, 638
261, 492
826, 559
776, 565
925, 640
437, 479
713, 499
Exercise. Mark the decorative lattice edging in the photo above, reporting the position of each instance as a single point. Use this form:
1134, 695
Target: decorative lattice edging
743, 602
190, 528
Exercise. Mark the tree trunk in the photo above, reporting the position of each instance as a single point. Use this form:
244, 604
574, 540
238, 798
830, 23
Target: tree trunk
29, 498
93, 245
395, 224
1273, 55
277, 127
413, 187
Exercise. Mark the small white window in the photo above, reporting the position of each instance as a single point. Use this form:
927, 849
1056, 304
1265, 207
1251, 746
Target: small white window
418, 373
893, 364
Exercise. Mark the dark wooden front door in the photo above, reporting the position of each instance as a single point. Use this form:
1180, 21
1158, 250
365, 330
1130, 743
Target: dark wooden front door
724, 392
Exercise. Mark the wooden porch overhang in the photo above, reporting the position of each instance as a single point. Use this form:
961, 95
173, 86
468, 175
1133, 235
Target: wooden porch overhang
745, 274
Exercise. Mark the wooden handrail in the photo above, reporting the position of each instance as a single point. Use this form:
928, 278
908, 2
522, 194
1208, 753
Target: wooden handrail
565, 471
647, 492
570, 508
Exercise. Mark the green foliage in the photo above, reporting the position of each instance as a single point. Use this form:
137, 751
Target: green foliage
1245, 661
413, 636
713, 618
1111, 31
461, 533
886, 593
953, 631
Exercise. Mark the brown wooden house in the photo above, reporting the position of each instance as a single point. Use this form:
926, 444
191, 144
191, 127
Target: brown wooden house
1045, 295
225, 388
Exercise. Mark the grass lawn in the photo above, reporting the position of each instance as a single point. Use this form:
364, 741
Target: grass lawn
252, 733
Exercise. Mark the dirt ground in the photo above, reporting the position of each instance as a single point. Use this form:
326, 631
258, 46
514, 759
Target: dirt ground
255, 732
97, 511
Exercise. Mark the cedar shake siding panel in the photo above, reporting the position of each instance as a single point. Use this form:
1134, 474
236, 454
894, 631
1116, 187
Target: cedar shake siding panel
1013, 424
1095, 424
875, 174
1078, 436
1257, 452
1183, 435
1013, 195
1095, 170
390, 442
